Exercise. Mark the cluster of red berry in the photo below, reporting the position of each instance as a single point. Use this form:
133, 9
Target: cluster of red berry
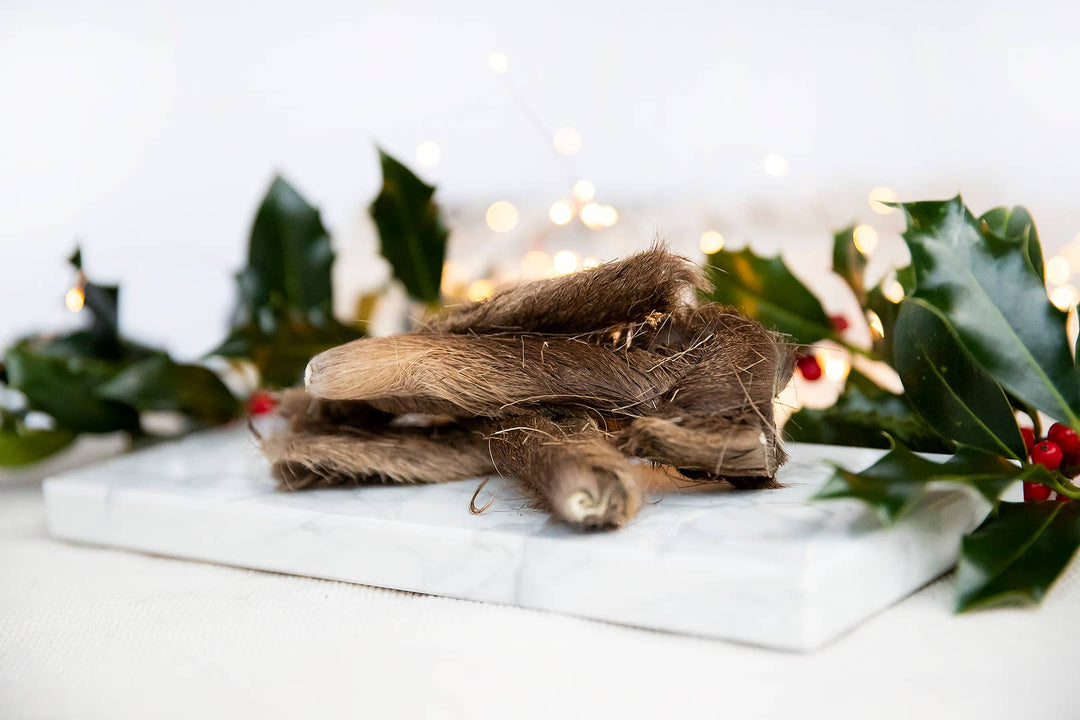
808, 364
260, 403
1060, 449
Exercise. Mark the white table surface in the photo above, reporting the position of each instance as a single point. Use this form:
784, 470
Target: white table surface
94, 633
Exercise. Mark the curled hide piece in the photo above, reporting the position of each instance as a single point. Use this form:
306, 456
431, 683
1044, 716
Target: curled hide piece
559, 384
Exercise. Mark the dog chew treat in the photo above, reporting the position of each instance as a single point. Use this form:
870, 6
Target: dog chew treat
558, 384
623, 291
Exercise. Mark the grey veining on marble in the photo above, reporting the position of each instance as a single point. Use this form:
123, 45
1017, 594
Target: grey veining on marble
764, 567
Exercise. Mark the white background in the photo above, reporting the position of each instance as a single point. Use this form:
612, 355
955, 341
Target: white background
148, 130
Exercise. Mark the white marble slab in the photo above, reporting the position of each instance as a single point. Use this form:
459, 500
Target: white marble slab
767, 567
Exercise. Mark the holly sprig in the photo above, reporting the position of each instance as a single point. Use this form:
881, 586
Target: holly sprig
95, 380
977, 346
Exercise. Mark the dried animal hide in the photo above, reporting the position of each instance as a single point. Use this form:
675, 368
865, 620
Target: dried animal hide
557, 383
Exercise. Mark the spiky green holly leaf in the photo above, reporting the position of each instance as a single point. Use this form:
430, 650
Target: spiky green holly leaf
1017, 554
862, 416
767, 290
412, 235
158, 383
987, 289
956, 396
893, 484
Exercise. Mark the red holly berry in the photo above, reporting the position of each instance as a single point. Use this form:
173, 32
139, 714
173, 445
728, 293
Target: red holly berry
1035, 491
839, 323
809, 367
260, 403
1029, 437
1065, 438
1062, 498
1047, 454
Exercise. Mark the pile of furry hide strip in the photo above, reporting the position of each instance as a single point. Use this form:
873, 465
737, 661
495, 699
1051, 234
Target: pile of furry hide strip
558, 384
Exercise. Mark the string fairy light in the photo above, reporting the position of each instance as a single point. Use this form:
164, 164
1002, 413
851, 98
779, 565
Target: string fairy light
480, 290
584, 190
567, 141
75, 299
536, 265
566, 262
878, 197
428, 153
865, 239
590, 262
1058, 270
498, 62
776, 165
711, 242
502, 216
561, 212
893, 291
1065, 298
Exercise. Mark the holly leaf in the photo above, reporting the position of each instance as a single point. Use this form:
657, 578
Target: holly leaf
67, 389
766, 290
1015, 225
1017, 554
948, 388
289, 257
22, 446
849, 263
896, 481
987, 290
412, 235
862, 416
285, 312
161, 384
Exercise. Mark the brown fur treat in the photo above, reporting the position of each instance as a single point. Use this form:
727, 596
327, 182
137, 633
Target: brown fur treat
556, 383
617, 292
492, 375
570, 467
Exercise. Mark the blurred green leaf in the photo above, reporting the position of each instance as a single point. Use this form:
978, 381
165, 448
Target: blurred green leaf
1017, 554
158, 383
861, 416
67, 389
22, 446
289, 257
893, 484
766, 290
987, 289
285, 313
849, 263
411, 231
942, 382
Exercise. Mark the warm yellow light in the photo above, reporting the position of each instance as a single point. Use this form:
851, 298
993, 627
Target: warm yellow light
1058, 270
567, 141
480, 290
711, 242
498, 62
776, 165
836, 368
590, 262
874, 322
865, 238
453, 278
608, 215
878, 196
502, 216
428, 153
584, 190
535, 265
893, 291
1065, 297
561, 213
593, 216
566, 262
75, 299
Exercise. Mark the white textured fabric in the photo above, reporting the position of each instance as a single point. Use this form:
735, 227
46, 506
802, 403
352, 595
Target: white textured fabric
95, 633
